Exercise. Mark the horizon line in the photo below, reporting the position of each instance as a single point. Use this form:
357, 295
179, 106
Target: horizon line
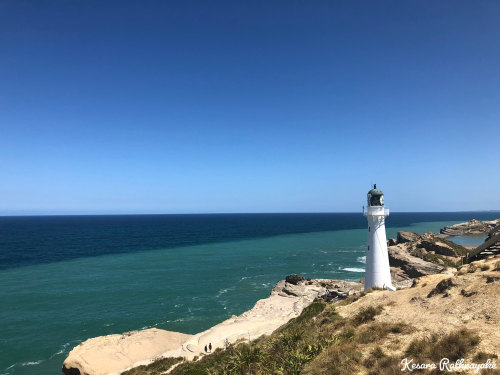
224, 213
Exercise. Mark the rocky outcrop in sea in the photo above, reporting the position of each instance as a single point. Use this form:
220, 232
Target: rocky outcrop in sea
470, 227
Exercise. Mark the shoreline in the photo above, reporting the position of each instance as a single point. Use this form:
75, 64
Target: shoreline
286, 301
115, 354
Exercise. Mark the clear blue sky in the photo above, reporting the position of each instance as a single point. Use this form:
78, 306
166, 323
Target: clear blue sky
255, 106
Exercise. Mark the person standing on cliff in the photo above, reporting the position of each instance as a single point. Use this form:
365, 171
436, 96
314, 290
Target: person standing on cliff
206, 349
210, 347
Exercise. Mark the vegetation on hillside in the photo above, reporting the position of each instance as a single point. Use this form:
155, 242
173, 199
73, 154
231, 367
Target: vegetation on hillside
320, 341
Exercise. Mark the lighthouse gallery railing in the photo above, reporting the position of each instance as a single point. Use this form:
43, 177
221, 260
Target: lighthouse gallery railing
385, 211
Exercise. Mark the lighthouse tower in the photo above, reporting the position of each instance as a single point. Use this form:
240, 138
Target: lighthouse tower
378, 273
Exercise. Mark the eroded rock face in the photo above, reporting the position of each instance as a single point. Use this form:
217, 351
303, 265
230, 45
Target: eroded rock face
316, 288
429, 247
404, 237
438, 247
115, 353
411, 265
71, 371
392, 242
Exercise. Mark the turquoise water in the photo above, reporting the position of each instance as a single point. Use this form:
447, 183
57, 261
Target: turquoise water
469, 240
47, 309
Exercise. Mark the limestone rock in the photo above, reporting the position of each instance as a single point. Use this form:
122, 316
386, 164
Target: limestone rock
438, 247
411, 265
392, 242
404, 237
294, 290
397, 275
116, 353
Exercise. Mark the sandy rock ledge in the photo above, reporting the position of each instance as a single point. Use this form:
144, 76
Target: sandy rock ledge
113, 354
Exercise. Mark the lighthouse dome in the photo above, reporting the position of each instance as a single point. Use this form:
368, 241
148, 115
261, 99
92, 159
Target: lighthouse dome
375, 197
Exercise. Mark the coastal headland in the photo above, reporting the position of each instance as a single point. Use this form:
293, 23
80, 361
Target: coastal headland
437, 295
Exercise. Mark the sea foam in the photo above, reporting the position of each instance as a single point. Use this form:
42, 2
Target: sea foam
353, 269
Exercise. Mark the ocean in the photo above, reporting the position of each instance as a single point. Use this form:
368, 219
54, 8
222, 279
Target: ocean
64, 279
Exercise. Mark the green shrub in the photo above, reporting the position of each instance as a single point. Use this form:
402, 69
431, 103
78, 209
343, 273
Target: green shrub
376, 331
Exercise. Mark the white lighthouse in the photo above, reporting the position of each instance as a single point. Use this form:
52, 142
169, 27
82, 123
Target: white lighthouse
378, 273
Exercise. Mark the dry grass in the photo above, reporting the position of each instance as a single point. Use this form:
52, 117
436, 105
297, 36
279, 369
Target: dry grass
472, 268
454, 345
356, 297
367, 314
380, 363
483, 356
497, 266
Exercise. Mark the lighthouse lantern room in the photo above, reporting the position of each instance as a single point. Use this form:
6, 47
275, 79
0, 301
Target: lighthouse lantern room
378, 272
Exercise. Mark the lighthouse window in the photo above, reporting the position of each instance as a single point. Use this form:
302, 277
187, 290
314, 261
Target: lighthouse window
368, 229
368, 247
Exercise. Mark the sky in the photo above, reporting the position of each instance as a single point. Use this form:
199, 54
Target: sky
248, 106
